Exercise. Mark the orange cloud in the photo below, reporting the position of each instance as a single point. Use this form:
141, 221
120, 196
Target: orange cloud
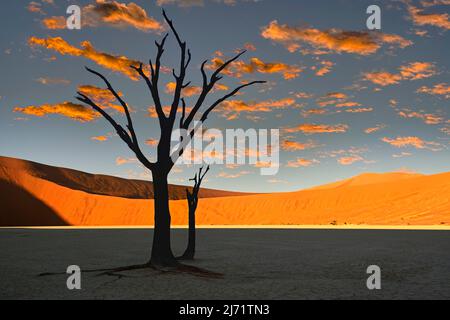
115, 63
348, 104
403, 142
121, 161
289, 145
232, 176
193, 90
66, 109
103, 97
319, 128
359, 110
307, 113
442, 89
417, 70
332, 40
100, 138
374, 129
233, 108
300, 162
428, 118
346, 161
239, 68
383, 78
411, 71
440, 20
152, 111
151, 142
324, 69
35, 7
55, 23
303, 95
112, 13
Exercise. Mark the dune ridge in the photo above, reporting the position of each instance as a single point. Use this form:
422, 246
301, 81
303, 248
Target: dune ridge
370, 199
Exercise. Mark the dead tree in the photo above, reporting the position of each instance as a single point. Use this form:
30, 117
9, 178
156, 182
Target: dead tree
161, 253
192, 198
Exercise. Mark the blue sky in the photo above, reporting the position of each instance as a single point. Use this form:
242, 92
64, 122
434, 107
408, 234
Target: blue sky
387, 89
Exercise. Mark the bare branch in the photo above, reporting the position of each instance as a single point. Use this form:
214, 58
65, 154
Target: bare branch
132, 140
123, 103
183, 115
225, 65
178, 153
183, 66
228, 96
119, 129
208, 86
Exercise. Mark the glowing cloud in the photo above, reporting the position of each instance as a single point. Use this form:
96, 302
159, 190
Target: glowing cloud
67, 109
319, 128
332, 40
112, 13
115, 63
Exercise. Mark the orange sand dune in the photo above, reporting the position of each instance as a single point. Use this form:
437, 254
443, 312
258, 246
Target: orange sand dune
373, 199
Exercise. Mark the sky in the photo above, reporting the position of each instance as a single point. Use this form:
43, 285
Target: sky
347, 100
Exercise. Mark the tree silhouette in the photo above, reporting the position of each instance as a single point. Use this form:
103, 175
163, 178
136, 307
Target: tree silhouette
192, 198
161, 253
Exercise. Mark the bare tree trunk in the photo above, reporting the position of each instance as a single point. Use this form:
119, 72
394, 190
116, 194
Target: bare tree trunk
189, 254
161, 251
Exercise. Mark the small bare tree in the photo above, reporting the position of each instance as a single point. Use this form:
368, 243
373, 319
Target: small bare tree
161, 253
192, 199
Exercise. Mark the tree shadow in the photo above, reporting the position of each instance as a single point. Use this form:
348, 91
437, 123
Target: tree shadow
121, 272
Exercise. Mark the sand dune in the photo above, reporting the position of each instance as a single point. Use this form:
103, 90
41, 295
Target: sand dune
374, 199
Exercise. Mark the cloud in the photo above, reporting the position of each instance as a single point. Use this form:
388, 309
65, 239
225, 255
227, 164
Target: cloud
417, 70
67, 109
121, 161
440, 20
332, 40
233, 175
410, 72
359, 110
319, 128
303, 95
404, 142
153, 114
442, 89
115, 63
52, 81
232, 108
193, 90
100, 138
348, 104
112, 13
428, 118
375, 129
401, 155
35, 7
300, 162
324, 68
103, 97
290, 145
346, 161
198, 3
383, 78
432, 3
239, 68
151, 142
310, 112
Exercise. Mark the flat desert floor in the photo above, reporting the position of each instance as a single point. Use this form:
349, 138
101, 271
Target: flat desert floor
256, 264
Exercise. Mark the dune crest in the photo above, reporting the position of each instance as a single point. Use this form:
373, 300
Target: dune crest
369, 199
